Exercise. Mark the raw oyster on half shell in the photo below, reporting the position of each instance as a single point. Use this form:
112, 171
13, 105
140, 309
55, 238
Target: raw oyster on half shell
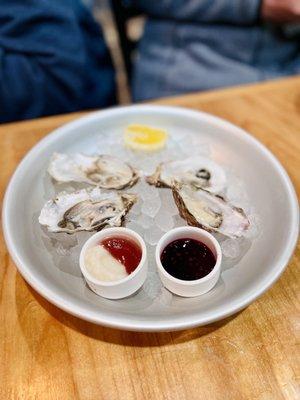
105, 171
197, 172
85, 210
209, 211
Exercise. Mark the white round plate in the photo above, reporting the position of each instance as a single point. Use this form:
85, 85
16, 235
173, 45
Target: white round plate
269, 190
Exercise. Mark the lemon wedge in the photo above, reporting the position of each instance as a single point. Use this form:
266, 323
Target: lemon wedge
146, 138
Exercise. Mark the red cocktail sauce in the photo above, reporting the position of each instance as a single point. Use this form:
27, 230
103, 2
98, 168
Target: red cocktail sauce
124, 250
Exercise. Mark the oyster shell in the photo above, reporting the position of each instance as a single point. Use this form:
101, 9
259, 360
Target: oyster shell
209, 211
85, 210
105, 171
198, 172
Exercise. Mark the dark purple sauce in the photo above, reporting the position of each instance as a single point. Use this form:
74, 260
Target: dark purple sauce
187, 259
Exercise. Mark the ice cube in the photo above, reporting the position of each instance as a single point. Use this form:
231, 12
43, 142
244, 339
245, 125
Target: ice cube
147, 191
153, 234
153, 284
165, 297
178, 221
119, 150
168, 201
164, 219
172, 208
230, 248
105, 143
254, 229
144, 221
193, 146
136, 209
135, 227
151, 207
236, 192
61, 250
173, 152
180, 136
145, 162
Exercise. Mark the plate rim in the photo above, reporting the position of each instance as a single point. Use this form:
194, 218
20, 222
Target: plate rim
149, 325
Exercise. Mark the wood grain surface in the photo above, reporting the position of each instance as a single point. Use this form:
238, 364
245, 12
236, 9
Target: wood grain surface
48, 354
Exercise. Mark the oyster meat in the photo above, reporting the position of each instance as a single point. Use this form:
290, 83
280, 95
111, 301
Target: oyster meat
86, 210
198, 172
105, 171
209, 211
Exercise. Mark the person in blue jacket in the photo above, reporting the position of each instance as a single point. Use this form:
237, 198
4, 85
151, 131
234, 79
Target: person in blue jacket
191, 45
53, 59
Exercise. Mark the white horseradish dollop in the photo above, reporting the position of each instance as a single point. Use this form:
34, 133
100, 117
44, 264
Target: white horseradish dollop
102, 266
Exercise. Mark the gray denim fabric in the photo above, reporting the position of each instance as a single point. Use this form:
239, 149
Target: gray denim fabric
192, 45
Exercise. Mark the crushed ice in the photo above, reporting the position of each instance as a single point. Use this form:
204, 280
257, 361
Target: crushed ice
155, 212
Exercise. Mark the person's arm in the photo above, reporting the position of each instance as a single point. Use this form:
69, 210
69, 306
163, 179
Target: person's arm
240, 12
282, 11
42, 58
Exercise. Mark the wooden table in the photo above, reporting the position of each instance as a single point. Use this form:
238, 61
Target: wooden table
48, 354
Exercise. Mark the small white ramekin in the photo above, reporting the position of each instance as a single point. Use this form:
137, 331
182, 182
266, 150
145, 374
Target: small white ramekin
123, 287
189, 288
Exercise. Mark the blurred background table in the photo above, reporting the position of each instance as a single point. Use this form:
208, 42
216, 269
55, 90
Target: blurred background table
48, 354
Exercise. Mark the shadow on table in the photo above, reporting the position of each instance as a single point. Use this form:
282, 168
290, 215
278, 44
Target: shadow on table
27, 318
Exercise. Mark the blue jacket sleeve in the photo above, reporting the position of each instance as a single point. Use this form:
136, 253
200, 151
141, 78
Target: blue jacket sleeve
240, 12
46, 63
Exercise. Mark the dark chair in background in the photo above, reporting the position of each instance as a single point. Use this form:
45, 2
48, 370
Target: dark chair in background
123, 15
